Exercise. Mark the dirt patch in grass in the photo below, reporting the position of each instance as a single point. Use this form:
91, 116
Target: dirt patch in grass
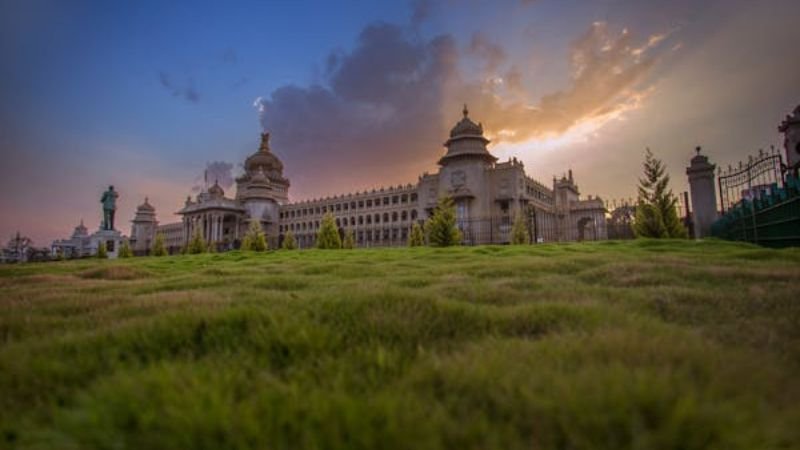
114, 273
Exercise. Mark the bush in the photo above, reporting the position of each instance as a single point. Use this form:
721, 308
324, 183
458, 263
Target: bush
349, 240
417, 236
328, 235
125, 251
255, 240
288, 241
520, 235
197, 244
102, 253
159, 249
442, 230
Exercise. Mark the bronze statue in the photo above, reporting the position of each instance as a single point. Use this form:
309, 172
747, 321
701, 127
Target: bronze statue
109, 201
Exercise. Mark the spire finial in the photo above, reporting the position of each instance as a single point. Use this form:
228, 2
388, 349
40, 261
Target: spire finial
264, 142
697, 149
465, 111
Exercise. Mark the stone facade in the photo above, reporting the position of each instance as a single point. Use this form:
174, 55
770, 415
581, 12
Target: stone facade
702, 185
143, 228
790, 127
488, 195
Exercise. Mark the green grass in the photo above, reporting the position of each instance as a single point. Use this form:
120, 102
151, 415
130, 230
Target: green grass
611, 345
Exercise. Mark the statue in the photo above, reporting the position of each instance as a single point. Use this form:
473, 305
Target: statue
109, 201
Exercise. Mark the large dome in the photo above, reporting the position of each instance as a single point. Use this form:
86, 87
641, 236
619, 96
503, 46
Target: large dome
466, 127
467, 141
263, 159
146, 206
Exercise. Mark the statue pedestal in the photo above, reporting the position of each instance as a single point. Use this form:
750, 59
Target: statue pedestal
112, 238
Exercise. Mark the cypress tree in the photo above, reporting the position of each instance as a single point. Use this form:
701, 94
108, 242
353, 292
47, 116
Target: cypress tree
255, 240
197, 244
416, 238
159, 249
289, 242
442, 229
125, 251
328, 235
656, 216
519, 231
102, 253
349, 240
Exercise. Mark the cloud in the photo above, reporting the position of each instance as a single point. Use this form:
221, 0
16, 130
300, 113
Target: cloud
379, 109
186, 90
492, 54
608, 74
385, 107
216, 172
420, 11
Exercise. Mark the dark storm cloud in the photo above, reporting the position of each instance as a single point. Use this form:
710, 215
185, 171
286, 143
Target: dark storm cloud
185, 90
380, 108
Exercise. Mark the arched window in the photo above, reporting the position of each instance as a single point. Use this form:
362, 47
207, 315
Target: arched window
394, 216
413, 214
404, 216
377, 218
385, 217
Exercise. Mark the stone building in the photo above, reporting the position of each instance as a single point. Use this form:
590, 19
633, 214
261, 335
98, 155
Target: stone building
488, 195
143, 228
77, 246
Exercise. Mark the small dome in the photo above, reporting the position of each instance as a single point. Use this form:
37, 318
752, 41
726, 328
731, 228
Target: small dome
216, 190
80, 230
466, 127
146, 206
263, 159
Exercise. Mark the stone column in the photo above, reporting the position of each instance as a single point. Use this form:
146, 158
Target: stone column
704, 194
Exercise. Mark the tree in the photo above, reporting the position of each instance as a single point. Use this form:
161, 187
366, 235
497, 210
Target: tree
442, 230
197, 244
349, 240
159, 249
417, 237
255, 240
328, 235
102, 253
288, 241
656, 216
520, 235
125, 250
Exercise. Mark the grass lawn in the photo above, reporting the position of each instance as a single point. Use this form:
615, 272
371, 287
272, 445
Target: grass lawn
611, 345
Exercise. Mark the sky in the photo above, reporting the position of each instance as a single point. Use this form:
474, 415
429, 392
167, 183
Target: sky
147, 95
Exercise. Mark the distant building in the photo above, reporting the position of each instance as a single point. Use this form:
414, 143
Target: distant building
19, 249
488, 196
77, 246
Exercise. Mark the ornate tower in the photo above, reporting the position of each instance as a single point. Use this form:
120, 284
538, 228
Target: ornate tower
790, 127
464, 174
143, 228
704, 194
263, 188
